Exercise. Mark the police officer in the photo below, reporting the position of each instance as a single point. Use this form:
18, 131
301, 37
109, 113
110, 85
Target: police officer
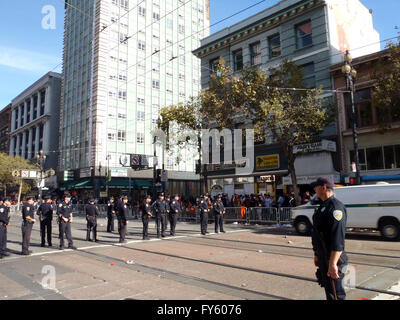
219, 211
91, 217
160, 209
168, 206
328, 240
204, 210
64, 213
27, 224
146, 215
122, 216
45, 213
110, 214
175, 209
4, 224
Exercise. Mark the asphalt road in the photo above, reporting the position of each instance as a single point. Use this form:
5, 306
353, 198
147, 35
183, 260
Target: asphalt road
247, 262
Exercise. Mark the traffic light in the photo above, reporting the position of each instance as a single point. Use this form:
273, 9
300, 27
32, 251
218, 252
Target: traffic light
352, 181
158, 175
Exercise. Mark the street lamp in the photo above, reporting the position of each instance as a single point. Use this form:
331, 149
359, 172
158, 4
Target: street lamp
41, 159
350, 75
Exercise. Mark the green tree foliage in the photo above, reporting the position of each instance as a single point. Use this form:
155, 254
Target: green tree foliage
386, 93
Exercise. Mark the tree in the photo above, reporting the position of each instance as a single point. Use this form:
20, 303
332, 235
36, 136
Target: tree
268, 100
7, 166
386, 94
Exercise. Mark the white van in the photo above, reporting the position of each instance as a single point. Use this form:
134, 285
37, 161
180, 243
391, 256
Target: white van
368, 207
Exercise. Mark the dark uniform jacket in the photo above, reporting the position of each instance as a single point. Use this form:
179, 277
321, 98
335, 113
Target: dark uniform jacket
64, 210
203, 206
4, 214
45, 211
219, 207
122, 212
160, 206
27, 210
91, 212
329, 227
167, 205
110, 207
175, 205
146, 209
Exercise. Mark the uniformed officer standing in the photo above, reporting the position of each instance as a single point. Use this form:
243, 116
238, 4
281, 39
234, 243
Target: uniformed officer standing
219, 211
146, 215
91, 217
204, 210
110, 214
168, 206
27, 224
122, 216
65, 219
4, 224
160, 209
45, 213
328, 240
175, 209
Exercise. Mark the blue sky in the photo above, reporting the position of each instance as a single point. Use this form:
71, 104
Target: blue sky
27, 51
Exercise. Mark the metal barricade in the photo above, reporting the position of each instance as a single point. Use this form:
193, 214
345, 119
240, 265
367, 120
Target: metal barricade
284, 215
263, 215
234, 214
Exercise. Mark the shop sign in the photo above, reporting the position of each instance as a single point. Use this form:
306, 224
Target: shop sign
267, 162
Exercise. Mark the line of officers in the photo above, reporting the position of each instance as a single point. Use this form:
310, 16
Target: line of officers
161, 209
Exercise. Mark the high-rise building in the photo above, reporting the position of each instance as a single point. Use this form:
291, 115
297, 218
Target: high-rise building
123, 61
5, 126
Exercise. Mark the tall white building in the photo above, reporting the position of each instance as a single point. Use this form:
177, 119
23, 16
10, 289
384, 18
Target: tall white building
123, 61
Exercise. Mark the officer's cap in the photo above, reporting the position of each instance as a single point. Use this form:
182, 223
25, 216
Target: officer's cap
148, 197
322, 181
167, 196
46, 197
124, 197
91, 200
161, 194
67, 195
219, 196
1, 199
30, 198
206, 195
177, 195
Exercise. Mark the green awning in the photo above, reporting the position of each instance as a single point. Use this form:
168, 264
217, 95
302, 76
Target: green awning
83, 184
124, 183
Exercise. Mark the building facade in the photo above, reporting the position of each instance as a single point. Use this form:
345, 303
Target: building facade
379, 151
5, 126
123, 61
312, 33
34, 120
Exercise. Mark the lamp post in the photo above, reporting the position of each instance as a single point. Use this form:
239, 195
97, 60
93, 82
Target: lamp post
41, 159
350, 75
108, 175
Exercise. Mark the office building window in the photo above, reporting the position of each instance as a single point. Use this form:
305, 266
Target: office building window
363, 107
156, 84
304, 34
141, 45
255, 53
378, 158
111, 134
142, 11
169, 23
237, 60
140, 115
121, 135
140, 137
274, 44
308, 75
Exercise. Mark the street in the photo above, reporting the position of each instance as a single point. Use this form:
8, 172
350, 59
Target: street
247, 262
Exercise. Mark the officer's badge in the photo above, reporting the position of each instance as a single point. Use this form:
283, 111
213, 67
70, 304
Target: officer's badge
323, 209
338, 215
125, 206
2, 210
28, 209
60, 205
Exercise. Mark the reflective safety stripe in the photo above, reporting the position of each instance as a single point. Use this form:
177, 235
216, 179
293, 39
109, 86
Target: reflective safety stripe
361, 205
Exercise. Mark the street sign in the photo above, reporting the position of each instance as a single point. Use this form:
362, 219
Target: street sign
24, 174
40, 183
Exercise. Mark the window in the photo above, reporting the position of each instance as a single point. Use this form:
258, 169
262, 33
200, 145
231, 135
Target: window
142, 11
121, 115
121, 135
255, 53
141, 45
274, 43
169, 23
378, 158
156, 16
304, 34
111, 134
122, 95
140, 137
181, 28
140, 116
363, 108
156, 84
309, 75
140, 100
237, 60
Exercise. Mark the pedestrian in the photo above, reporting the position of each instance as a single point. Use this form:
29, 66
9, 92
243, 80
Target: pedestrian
146, 215
204, 210
27, 224
122, 216
219, 211
64, 213
4, 224
328, 240
306, 197
175, 210
92, 212
110, 214
160, 210
45, 213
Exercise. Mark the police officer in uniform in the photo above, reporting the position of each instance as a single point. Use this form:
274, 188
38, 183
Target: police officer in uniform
328, 240
27, 224
64, 213
160, 209
219, 211
45, 213
175, 209
146, 215
204, 210
122, 216
110, 214
91, 217
4, 224
168, 205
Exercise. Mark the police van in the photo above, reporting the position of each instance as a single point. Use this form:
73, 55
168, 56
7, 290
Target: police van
368, 207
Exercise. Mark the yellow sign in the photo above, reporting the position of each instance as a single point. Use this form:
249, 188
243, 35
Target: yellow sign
267, 162
15, 173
